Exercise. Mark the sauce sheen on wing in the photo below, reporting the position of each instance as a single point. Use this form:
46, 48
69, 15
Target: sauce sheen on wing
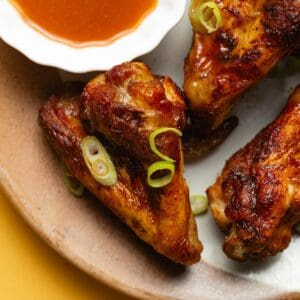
254, 36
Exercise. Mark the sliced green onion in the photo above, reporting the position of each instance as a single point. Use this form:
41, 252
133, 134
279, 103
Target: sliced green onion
297, 228
73, 185
161, 166
98, 161
199, 204
205, 16
153, 136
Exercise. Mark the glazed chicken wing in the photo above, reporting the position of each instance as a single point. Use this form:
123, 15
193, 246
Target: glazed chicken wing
256, 199
253, 37
161, 217
128, 103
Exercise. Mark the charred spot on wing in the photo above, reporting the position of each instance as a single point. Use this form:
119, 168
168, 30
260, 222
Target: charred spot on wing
130, 115
227, 43
245, 66
282, 22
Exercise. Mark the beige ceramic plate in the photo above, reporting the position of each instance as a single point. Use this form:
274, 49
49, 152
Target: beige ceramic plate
86, 233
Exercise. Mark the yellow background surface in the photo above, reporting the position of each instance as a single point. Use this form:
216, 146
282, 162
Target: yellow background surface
31, 270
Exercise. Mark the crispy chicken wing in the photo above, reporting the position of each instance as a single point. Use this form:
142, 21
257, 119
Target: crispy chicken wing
256, 199
254, 35
127, 103
161, 217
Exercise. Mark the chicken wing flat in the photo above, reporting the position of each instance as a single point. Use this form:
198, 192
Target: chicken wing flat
161, 217
256, 199
254, 36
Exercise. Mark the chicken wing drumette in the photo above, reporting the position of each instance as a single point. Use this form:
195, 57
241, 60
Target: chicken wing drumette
122, 107
256, 199
253, 37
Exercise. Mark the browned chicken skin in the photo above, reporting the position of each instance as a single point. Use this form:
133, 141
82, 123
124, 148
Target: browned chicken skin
256, 199
128, 103
161, 217
254, 36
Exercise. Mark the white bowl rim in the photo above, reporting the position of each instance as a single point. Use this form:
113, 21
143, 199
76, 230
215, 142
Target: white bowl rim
16, 32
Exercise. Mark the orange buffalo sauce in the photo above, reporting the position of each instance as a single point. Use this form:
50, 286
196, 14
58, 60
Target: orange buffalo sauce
85, 22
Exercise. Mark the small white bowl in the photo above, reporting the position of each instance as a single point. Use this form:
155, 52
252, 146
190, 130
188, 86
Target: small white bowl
43, 50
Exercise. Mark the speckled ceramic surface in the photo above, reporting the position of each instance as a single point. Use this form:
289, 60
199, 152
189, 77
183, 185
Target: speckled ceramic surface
89, 235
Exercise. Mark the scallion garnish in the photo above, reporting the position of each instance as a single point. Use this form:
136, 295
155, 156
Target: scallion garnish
297, 228
73, 185
205, 17
158, 167
98, 161
152, 143
199, 204
167, 164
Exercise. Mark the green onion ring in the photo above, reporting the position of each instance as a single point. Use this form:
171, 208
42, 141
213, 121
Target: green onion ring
199, 204
73, 185
160, 166
98, 161
153, 136
204, 14
204, 18
100, 167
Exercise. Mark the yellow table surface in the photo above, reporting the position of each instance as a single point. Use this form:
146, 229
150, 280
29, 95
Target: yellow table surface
31, 270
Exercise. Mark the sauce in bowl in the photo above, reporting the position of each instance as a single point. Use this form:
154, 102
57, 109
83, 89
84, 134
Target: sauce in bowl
85, 22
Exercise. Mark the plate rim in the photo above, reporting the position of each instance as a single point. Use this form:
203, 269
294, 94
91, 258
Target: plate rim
7, 186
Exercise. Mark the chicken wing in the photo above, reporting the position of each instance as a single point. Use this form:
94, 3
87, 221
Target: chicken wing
129, 101
254, 36
256, 199
161, 217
